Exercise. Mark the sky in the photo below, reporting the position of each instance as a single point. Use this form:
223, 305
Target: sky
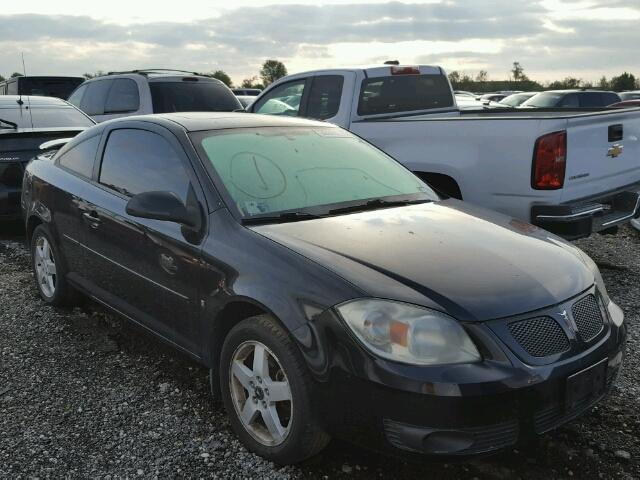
552, 39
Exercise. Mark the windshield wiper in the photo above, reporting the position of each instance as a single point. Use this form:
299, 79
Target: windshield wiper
279, 218
13, 126
375, 204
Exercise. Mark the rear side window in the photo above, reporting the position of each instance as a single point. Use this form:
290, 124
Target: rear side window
137, 161
324, 96
123, 97
590, 99
403, 93
95, 97
570, 101
192, 96
76, 97
609, 98
80, 158
12, 87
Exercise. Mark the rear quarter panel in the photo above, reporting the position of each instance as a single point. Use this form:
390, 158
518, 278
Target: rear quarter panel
490, 158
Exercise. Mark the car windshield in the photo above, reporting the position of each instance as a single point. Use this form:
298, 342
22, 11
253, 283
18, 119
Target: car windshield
271, 170
544, 100
189, 96
45, 117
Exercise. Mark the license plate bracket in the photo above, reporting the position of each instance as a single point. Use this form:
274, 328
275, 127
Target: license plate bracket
586, 384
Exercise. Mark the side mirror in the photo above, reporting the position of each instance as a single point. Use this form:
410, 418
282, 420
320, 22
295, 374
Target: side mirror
165, 206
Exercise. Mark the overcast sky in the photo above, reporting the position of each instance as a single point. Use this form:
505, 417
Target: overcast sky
550, 38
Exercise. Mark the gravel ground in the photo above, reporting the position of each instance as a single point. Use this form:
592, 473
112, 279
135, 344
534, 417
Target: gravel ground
85, 394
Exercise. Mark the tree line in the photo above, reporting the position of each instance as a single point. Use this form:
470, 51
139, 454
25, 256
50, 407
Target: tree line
271, 70
518, 80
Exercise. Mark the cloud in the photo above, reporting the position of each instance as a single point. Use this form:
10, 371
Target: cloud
304, 36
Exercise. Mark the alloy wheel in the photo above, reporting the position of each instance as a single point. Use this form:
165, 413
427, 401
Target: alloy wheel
45, 264
261, 393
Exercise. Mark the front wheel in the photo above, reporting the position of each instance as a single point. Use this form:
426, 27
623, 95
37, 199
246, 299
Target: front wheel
267, 392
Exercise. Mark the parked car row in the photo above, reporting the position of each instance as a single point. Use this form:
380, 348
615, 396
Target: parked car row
314, 253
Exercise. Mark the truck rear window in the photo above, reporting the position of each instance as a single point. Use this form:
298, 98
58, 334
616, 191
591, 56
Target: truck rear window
403, 93
185, 96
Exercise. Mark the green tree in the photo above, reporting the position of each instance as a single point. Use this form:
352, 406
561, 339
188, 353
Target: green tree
251, 82
568, 82
223, 77
603, 83
16, 74
98, 73
517, 72
625, 81
454, 78
2, 79
482, 76
271, 71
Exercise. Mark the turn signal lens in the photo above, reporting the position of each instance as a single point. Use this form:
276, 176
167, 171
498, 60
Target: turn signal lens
549, 161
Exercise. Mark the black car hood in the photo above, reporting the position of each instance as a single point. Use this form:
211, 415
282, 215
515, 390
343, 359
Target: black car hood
470, 262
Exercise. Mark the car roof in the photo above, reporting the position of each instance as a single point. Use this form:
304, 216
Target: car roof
199, 121
154, 77
31, 100
578, 90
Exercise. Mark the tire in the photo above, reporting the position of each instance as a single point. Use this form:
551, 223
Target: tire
299, 434
57, 291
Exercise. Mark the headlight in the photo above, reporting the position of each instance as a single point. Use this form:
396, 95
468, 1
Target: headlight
407, 333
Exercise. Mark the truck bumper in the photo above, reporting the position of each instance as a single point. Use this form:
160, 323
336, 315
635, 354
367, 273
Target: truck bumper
581, 218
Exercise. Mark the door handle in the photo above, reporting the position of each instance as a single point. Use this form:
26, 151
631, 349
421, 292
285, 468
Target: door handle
92, 218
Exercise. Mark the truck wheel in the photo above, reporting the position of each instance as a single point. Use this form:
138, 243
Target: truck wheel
268, 392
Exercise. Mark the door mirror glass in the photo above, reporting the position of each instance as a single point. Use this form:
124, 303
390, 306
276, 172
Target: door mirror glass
165, 206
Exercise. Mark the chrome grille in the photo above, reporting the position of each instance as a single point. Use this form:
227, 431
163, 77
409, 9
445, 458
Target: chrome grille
540, 336
588, 317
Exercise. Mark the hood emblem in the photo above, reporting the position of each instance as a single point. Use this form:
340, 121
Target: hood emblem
564, 315
615, 150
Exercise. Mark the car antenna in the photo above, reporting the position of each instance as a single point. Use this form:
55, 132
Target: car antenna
24, 71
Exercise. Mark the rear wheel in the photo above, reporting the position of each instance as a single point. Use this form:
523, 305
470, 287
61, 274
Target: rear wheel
267, 392
49, 270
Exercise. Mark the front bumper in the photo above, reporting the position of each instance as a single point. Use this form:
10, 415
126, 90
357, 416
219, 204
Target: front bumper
465, 410
581, 218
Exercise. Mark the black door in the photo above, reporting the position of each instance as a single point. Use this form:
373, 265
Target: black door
147, 269
77, 165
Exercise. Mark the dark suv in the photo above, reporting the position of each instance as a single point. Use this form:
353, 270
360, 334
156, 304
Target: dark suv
571, 99
141, 92
328, 289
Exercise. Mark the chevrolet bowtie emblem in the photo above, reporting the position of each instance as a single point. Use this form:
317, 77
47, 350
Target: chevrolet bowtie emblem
615, 151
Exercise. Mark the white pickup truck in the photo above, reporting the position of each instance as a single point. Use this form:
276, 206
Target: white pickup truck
570, 171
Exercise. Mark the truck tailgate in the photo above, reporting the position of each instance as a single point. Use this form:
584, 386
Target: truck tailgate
603, 153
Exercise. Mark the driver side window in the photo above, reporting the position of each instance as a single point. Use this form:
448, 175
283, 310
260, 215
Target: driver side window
137, 161
282, 100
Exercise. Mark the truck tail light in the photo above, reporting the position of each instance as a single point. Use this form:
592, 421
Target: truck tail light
405, 71
549, 161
